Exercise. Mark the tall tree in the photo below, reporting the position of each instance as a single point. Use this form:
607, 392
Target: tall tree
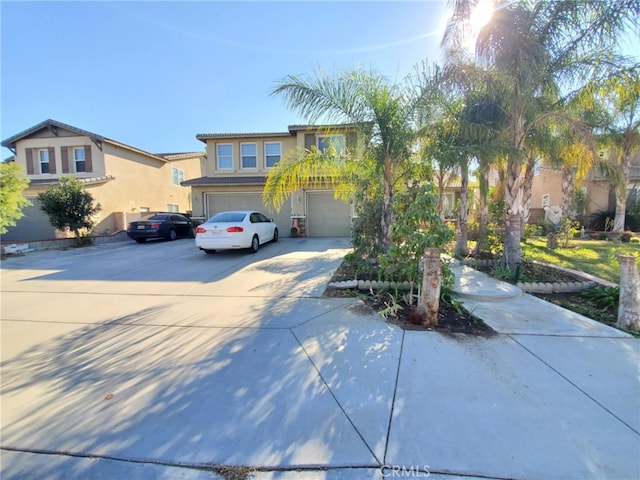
13, 181
460, 125
537, 47
381, 113
619, 135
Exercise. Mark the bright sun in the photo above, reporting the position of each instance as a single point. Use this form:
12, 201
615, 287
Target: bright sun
479, 18
481, 14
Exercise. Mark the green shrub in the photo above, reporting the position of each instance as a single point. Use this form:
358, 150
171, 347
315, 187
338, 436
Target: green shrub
417, 226
607, 298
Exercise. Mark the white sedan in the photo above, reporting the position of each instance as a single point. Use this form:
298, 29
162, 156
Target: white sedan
237, 229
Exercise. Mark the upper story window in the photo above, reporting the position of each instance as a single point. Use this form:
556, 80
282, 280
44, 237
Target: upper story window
43, 156
272, 153
224, 153
335, 141
249, 155
177, 176
79, 159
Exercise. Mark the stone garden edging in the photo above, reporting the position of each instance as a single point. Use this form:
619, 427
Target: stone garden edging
586, 281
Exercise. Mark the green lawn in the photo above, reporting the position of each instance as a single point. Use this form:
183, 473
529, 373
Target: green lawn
596, 257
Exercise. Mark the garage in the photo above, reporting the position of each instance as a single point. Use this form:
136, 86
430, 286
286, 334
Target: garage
326, 216
220, 202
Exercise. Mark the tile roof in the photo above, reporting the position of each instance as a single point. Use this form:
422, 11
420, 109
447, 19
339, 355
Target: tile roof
52, 124
238, 180
204, 136
291, 130
180, 155
85, 180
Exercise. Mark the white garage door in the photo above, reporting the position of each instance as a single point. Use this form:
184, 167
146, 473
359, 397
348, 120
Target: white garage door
326, 216
220, 202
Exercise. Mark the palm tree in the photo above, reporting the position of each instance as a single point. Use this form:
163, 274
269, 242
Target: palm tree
460, 126
620, 134
381, 114
536, 48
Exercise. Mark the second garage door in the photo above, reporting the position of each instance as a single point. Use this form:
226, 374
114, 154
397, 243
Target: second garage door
220, 202
326, 216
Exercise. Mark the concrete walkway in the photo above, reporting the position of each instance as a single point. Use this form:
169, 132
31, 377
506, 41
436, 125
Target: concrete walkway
239, 361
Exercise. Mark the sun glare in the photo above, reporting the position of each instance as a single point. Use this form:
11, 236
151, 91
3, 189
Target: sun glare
481, 14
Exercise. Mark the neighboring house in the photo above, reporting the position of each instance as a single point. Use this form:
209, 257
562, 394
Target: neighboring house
237, 168
126, 181
547, 189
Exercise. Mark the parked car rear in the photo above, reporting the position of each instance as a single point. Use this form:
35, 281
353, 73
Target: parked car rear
160, 225
236, 229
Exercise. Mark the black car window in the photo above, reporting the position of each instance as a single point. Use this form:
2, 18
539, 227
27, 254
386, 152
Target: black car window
228, 217
177, 218
263, 218
255, 218
158, 217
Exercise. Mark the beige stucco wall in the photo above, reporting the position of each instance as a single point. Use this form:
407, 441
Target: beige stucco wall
546, 182
97, 158
598, 194
138, 181
287, 143
142, 182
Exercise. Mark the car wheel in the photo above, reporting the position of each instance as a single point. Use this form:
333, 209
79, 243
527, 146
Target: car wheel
210, 252
172, 235
255, 244
275, 235
141, 240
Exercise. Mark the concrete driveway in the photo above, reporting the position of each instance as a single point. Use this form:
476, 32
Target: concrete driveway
160, 353
158, 361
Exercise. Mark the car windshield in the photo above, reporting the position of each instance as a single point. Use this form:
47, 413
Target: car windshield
228, 217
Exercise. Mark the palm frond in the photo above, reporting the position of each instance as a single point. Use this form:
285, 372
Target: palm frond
302, 168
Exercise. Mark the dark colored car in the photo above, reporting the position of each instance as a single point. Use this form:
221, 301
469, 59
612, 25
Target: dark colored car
160, 225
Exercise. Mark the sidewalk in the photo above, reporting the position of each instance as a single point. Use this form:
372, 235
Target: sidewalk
506, 309
306, 387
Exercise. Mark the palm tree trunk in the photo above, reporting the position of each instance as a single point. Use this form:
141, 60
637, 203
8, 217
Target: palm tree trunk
483, 209
567, 189
514, 193
526, 193
621, 193
514, 186
440, 206
621, 210
462, 242
386, 222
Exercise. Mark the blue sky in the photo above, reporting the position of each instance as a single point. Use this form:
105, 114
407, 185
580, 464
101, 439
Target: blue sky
155, 74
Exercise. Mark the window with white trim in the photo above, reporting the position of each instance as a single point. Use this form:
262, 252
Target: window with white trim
326, 141
177, 176
248, 155
79, 160
224, 154
272, 153
43, 156
546, 200
173, 208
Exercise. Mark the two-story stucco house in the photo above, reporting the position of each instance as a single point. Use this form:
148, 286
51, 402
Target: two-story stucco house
126, 181
547, 189
236, 172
